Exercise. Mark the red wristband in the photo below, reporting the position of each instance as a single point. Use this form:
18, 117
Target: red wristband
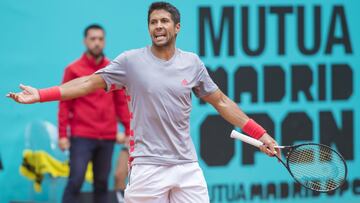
50, 94
253, 129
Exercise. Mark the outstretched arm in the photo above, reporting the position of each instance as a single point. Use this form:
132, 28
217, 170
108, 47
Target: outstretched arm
81, 86
233, 114
70, 90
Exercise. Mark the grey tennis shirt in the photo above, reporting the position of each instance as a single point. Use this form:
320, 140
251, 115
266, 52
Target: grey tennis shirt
160, 102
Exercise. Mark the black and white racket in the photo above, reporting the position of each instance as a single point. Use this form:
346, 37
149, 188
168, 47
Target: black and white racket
314, 166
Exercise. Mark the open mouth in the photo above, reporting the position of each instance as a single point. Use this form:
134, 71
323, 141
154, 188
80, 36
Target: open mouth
160, 37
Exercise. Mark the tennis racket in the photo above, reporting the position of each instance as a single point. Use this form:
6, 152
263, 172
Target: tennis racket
314, 166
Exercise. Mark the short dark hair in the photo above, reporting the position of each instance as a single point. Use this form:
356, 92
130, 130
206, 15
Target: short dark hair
175, 14
93, 26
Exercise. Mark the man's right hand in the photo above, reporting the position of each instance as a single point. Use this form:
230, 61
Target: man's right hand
29, 95
121, 138
64, 143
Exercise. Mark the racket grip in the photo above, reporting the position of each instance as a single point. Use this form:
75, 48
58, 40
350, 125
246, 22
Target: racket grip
236, 135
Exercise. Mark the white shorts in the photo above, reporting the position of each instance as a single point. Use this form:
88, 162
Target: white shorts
182, 183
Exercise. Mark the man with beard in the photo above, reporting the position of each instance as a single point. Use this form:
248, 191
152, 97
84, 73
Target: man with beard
88, 124
160, 79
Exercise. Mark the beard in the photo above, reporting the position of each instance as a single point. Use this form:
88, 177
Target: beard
96, 52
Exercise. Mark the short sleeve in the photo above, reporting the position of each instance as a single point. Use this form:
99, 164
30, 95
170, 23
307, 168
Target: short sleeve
114, 74
204, 84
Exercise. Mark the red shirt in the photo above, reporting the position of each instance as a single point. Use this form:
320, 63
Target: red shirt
94, 115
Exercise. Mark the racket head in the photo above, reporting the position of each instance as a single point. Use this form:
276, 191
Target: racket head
316, 166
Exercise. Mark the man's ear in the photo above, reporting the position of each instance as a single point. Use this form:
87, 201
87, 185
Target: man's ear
177, 28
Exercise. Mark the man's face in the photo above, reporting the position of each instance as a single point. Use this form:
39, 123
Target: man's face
162, 28
95, 42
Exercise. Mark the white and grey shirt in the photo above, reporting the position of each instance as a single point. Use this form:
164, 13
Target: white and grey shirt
160, 102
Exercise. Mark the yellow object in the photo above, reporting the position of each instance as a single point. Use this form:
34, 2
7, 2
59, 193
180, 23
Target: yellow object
36, 164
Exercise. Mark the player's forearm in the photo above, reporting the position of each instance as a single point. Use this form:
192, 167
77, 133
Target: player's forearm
75, 88
231, 112
234, 115
81, 86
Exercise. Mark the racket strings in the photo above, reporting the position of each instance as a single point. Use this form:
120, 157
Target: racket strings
317, 167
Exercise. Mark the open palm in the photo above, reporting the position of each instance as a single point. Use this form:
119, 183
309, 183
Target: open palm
29, 95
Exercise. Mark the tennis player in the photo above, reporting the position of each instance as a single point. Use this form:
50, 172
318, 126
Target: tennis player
159, 79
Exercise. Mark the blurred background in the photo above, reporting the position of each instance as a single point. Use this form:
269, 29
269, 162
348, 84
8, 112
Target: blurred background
292, 66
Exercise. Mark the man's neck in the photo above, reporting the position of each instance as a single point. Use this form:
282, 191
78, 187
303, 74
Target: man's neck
96, 58
164, 53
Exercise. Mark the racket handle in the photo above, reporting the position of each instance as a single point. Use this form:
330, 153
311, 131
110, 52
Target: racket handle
236, 135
